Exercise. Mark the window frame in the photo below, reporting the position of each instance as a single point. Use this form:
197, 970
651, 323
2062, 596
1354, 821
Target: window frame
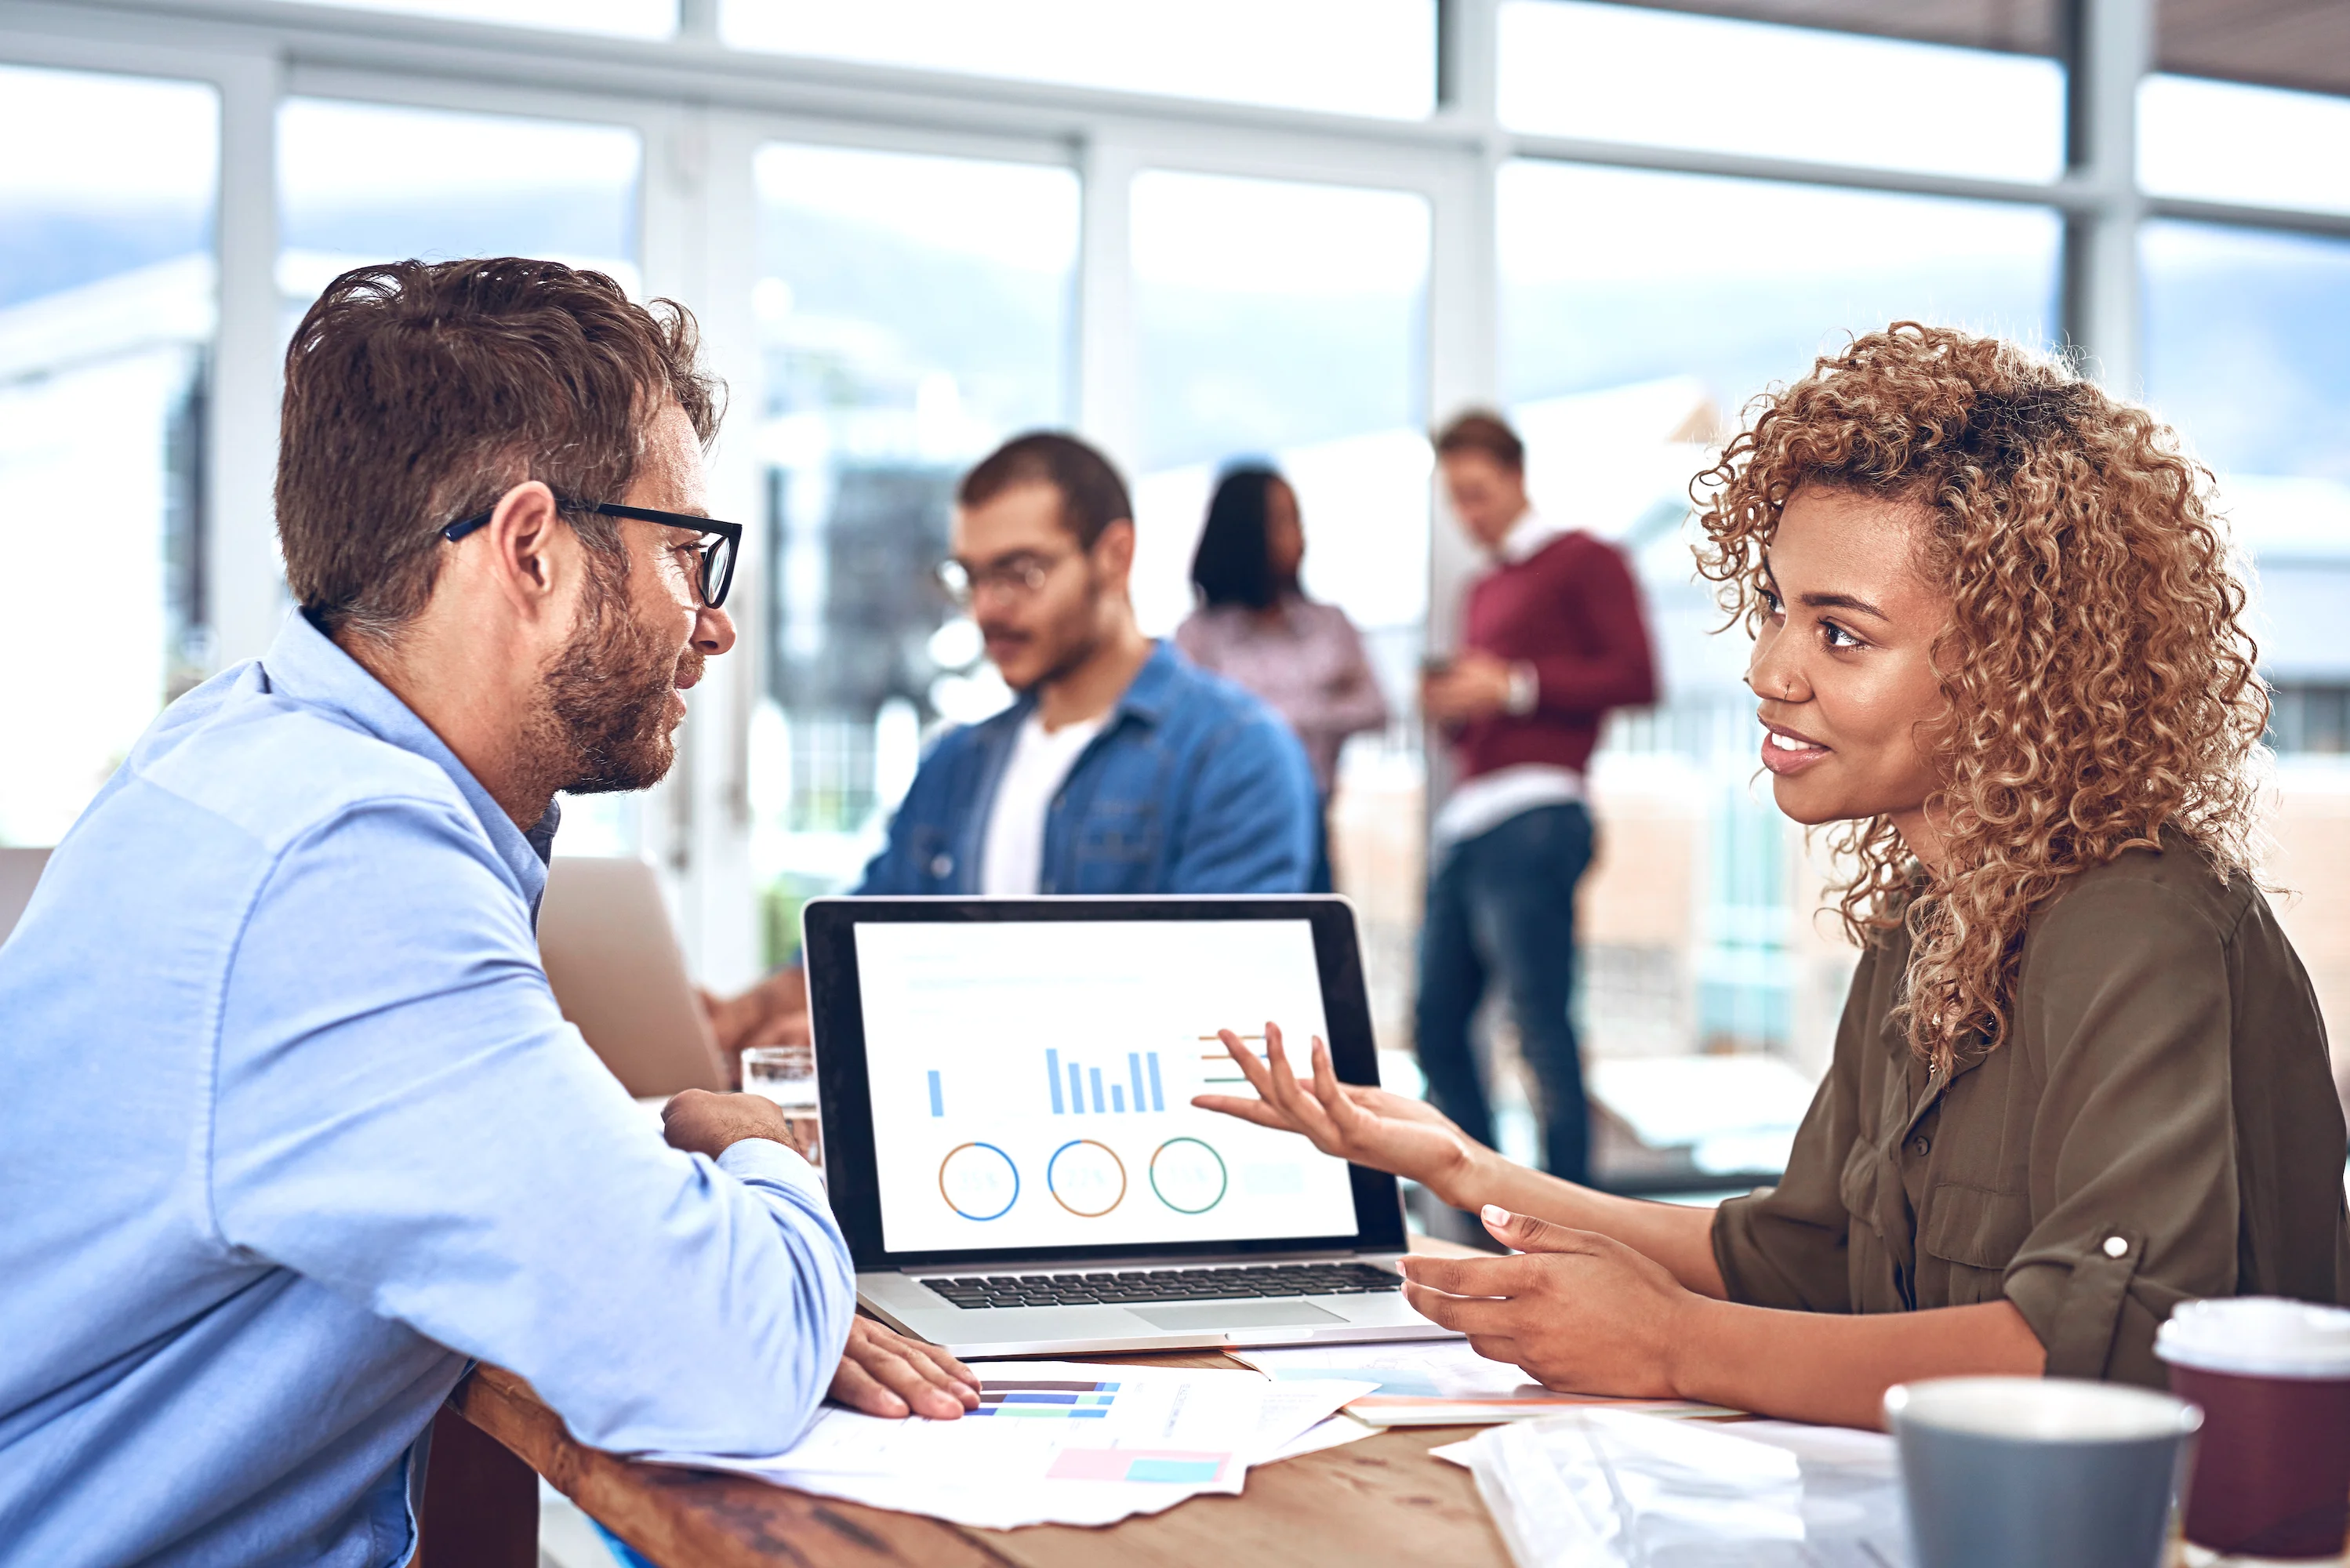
703, 109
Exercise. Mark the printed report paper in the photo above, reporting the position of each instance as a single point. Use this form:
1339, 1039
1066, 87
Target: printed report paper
1442, 1383
1056, 1442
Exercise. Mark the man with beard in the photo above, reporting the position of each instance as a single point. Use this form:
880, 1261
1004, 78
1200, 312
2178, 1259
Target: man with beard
1120, 769
294, 1127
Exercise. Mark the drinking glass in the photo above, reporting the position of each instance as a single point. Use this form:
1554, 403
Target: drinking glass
786, 1075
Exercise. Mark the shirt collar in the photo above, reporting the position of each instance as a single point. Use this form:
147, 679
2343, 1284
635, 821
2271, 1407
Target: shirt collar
1152, 691
307, 665
1527, 535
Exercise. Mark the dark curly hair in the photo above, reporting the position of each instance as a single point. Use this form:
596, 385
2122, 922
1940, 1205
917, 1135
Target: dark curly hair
2101, 689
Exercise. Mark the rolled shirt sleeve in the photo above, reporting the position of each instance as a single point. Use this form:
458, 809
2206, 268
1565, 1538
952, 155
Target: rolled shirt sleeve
403, 1115
2131, 1162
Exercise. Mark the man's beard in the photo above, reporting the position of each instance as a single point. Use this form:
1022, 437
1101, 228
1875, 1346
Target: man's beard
1071, 641
608, 694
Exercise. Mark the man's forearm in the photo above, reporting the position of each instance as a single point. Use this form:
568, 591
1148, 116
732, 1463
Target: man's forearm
1835, 1367
1676, 1235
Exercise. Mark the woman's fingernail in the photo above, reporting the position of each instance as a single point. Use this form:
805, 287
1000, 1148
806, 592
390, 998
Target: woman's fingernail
1494, 1214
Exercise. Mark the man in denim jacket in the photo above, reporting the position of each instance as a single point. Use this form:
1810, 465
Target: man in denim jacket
1121, 768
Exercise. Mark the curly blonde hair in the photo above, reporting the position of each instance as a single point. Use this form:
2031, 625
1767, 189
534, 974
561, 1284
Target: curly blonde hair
2101, 688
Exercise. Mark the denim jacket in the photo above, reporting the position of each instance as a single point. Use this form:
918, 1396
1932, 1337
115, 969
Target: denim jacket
1192, 787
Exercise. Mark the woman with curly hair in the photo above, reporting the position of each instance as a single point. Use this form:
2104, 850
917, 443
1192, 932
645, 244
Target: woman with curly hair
2081, 1077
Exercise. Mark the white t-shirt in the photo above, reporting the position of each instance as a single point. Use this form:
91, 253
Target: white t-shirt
1013, 858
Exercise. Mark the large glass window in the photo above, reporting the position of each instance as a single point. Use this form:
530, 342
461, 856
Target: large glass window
2254, 146
619, 18
913, 312
1640, 312
359, 183
1350, 56
1289, 321
2248, 355
1630, 73
106, 320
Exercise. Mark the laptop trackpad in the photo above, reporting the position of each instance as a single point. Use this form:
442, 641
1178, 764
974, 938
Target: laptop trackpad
1235, 1315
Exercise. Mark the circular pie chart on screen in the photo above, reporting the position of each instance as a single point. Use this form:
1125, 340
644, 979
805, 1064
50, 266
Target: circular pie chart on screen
1086, 1177
978, 1180
1188, 1176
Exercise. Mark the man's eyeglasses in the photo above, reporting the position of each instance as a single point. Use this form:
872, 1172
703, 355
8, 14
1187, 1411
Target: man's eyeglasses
717, 557
1017, 578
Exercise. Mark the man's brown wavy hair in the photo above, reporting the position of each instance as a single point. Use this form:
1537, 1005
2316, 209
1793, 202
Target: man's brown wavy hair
418, 392
2101, 689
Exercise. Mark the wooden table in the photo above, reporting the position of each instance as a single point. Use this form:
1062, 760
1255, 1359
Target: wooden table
1381, 1499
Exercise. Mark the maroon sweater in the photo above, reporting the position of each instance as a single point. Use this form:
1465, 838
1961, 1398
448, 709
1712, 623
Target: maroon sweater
1572, 610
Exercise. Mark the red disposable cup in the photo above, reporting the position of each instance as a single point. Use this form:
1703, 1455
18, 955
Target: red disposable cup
2272, 1475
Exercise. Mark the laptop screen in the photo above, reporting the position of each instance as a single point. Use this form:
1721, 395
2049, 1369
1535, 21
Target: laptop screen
1031, 1084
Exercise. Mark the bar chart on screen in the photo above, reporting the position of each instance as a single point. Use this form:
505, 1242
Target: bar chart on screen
1074, 1088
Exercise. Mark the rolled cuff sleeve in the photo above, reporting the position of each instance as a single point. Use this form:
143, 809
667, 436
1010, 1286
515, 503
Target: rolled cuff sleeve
2132, 1164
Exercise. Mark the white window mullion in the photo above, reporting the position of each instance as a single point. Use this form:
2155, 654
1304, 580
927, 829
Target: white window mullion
244, 586
2110, 58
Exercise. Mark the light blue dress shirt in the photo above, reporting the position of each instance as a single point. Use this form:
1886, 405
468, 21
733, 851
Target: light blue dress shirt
290, 1127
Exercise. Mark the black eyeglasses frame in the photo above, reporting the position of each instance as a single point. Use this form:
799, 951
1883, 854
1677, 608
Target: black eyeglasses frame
718, 564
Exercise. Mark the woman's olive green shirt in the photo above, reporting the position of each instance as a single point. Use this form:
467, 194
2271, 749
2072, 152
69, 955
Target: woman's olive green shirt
2160, 1125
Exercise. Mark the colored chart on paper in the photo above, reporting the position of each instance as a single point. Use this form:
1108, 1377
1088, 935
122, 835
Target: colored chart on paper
1047, 1399
1179, 1466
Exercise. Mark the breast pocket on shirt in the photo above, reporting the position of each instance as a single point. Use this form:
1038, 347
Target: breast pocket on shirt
1976, 1230
1117, 838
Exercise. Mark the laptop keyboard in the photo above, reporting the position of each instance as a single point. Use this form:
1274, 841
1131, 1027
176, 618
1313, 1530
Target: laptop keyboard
1140, 1286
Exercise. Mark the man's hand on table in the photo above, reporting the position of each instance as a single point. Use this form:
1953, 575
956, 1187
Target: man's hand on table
881, 1373
885, 1374
700, 1122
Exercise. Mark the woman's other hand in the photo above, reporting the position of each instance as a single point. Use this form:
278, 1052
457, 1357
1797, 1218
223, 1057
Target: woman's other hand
1357, 1122
1582, 1314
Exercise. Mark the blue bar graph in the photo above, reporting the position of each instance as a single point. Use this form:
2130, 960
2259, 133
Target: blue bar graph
937, 1103
1088, 1090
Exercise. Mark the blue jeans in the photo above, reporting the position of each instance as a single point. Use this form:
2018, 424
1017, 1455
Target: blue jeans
1502, 908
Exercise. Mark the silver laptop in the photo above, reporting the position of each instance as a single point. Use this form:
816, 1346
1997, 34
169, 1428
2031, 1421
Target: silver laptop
612, 961
1010, 1140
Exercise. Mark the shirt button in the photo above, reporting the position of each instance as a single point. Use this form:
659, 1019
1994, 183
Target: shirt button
942, 866
2116, 1247
1919, 1148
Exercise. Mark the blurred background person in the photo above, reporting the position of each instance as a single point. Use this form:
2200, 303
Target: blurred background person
1256, 626
1117, 768
1553, 635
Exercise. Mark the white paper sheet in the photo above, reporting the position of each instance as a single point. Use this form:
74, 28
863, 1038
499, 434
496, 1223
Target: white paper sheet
1430, 1382
1107, 1442
1607, 1489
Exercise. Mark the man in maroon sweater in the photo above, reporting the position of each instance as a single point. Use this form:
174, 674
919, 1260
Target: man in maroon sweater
1553, 638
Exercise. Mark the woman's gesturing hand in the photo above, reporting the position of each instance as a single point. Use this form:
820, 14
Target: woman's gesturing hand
1367, 1125
1579, 1311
